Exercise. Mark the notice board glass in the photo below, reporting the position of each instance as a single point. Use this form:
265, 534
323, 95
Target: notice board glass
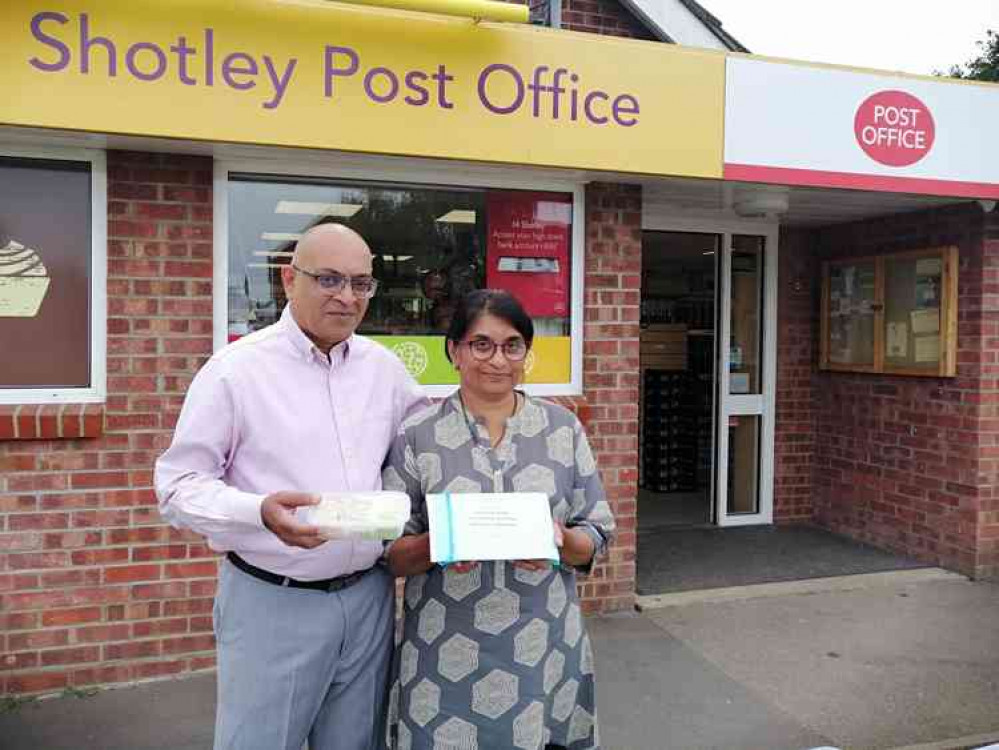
895, 313
851, 313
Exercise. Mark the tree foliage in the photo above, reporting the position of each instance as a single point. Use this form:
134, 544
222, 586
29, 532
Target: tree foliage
985, 67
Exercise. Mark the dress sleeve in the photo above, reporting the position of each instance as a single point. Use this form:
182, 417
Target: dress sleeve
590, 510
401, 474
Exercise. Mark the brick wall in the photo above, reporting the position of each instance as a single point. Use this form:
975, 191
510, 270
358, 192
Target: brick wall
794, 435
606, 17
93, 587
909, 463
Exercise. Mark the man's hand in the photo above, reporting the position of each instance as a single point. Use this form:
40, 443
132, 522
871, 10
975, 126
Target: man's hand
278, 514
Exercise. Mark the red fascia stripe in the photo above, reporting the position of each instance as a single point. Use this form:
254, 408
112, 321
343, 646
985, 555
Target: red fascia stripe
881, 183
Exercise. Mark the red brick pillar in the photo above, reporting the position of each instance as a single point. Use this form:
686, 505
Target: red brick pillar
794, 434
94, 588
987, 559
610, 375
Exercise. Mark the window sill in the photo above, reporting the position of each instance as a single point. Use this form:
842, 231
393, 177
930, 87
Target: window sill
51, 421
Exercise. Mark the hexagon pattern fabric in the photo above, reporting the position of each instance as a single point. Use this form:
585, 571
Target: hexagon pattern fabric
497, 657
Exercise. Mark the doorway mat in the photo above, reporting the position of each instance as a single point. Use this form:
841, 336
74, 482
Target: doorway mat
671, 560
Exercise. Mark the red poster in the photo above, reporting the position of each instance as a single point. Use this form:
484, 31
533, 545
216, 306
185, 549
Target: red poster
527, 252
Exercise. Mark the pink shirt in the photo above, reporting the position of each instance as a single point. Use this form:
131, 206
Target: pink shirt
271, 412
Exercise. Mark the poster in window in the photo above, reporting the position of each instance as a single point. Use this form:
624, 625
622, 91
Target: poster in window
45, 269
527, 250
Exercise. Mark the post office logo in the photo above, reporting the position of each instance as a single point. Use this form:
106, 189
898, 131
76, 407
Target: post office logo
894, 128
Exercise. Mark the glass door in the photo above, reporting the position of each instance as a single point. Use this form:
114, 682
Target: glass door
743, 486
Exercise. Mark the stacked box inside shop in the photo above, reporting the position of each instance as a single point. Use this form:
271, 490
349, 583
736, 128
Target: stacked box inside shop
677, 371
669, 445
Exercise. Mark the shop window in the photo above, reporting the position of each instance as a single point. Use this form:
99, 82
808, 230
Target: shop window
431, 245
51, 250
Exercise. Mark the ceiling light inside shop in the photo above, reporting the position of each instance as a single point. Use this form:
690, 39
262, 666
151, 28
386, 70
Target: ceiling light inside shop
274, 253
305, 208
708, 252
397, 258
458, 216
266, 265
280, 236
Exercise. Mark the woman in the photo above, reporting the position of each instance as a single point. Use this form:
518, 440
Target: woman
494, 654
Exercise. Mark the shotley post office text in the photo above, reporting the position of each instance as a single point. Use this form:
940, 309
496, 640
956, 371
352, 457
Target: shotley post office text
552, 93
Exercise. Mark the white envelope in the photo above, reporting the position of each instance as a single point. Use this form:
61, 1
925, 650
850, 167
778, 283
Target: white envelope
491, 526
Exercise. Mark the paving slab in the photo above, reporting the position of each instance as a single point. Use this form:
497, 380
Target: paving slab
874, 668
656, 693
168, 715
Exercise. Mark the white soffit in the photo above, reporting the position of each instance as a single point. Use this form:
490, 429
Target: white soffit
678, 23
807, 207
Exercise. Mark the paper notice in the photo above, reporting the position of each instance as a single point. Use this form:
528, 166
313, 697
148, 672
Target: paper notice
926, 321
898, 340
848, 275
927, 348
929, 267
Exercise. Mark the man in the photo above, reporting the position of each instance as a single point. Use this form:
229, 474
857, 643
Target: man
303, 627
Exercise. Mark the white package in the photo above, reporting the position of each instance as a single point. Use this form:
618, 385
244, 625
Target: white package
371, 516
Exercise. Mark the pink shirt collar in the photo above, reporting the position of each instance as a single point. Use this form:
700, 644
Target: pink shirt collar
304, 346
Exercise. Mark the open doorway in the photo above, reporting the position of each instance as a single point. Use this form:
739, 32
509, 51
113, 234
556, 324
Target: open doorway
707, 359
678, 356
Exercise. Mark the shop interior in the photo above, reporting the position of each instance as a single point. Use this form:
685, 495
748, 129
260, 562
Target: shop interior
677, 379
431, 246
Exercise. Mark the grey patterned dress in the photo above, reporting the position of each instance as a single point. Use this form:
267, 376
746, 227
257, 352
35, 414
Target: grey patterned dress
496, 657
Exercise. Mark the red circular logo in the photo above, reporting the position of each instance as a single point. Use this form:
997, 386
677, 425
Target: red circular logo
894, 128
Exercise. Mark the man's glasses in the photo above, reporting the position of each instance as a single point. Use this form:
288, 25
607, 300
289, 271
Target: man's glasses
334, 283
484, 349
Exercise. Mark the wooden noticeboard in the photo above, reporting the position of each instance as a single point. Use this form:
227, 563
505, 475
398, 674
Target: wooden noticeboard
894, 313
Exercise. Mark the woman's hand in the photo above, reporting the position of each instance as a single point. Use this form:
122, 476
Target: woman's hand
410, 555
577, 546
559, 531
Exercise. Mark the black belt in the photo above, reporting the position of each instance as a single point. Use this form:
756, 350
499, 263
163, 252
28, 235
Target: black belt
327, 584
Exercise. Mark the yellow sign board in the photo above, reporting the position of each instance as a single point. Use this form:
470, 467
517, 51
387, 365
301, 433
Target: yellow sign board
314, 74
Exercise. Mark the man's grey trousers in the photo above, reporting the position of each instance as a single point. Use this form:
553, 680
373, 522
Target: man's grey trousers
297, 664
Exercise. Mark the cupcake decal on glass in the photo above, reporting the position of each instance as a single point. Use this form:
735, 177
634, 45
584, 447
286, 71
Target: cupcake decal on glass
23, 281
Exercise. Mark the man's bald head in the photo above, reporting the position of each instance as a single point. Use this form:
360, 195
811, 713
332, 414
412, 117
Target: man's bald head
322, 238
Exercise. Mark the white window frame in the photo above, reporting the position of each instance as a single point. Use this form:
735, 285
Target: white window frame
382, 170
96, 392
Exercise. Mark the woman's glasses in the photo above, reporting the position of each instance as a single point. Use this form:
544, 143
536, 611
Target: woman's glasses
484, 349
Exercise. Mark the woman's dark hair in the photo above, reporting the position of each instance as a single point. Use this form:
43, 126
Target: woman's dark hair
496, 302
